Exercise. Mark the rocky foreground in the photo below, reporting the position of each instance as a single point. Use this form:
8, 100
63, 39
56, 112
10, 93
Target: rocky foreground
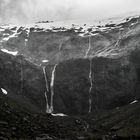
77, 82
16, 123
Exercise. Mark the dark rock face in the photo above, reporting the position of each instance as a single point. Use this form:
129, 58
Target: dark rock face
96, 82
23, 81
135, 59
114, 82
71, 87
102, 67
17, 123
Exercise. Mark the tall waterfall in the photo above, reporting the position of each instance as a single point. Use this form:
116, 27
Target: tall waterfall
49, 109
44, 71
89, 46
91, 86
47, 90
60, 45
52, 87
90, 74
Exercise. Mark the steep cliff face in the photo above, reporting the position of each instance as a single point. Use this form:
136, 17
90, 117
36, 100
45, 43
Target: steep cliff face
23, 81
80, 69
38, 42
113, 85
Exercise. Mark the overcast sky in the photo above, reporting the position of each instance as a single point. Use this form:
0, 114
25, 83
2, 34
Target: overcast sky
27, 11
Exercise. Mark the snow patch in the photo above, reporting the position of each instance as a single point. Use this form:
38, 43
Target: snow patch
4, 91
1, 29
59, 114
45, 61
26, 40
10, 52
135, 101
15, 34
27, 32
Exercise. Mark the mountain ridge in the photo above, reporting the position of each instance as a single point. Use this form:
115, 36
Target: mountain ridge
91, 73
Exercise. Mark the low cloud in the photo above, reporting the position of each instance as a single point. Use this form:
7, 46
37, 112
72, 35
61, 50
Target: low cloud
27, 11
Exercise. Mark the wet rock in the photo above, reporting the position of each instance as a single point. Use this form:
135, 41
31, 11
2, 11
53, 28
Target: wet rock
27, 89
44, 137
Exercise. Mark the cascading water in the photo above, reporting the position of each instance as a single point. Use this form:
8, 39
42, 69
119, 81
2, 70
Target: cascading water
44, 71
121, 36
49, 109
91, 86
52, 87
60, 45
47, 90
89, 46
90, 74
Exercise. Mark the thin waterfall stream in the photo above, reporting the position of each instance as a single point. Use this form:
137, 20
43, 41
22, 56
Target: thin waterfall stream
47, 90
52, 87
49, 108
91, 86
90, 74
89, 46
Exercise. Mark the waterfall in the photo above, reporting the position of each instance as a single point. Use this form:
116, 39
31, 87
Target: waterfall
47, 90
49, 109
60, 45
89, 46
47, 105
52, 87
91, 85
44, 71
90, 74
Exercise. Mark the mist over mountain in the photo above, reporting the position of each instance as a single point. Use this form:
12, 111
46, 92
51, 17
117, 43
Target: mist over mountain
29, 11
